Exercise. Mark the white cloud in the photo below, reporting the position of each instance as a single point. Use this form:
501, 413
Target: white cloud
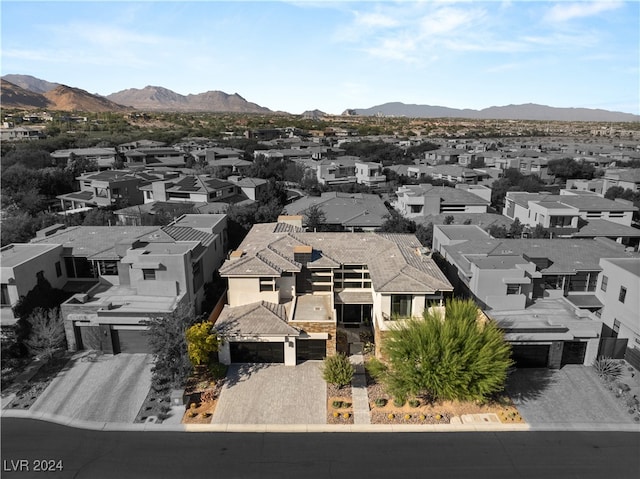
563, 12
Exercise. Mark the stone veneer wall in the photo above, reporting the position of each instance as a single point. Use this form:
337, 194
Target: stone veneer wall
317, 327
378, 337
65, 311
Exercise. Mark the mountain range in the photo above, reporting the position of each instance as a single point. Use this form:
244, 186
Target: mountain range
528, 111
28, 92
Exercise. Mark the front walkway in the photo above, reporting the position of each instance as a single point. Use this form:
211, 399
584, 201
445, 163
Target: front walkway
273, 394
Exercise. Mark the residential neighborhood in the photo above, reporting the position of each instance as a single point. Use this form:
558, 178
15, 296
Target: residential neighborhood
224, 278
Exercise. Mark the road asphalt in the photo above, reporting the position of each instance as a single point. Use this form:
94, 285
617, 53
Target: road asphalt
162, 454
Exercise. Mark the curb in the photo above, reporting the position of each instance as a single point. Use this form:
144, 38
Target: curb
315, 428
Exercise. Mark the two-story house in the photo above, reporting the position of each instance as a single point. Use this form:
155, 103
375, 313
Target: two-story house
192, 188
564, 210
542, 292
369, 173
289, 289
618, 290
122, 275
106, 188
414, 201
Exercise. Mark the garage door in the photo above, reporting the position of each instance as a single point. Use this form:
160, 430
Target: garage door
530, 355
573, 352
309, 349
130, 341
91, 338
257, 352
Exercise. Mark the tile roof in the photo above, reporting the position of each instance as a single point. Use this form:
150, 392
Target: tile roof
185, 233
446, 194
346, 209
393, 259
255, 319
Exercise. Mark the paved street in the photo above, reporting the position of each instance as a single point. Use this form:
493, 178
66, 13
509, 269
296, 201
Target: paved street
272, 394
566, 397
109, 454
109, 389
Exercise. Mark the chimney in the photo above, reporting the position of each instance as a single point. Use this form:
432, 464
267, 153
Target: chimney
48, 231
293, 220
236, 254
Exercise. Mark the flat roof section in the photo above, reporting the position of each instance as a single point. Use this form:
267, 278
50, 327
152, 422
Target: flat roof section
311, 307
15, 254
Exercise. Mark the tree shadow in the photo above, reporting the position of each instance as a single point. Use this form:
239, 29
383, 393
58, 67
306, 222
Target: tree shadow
240, 372
529, 383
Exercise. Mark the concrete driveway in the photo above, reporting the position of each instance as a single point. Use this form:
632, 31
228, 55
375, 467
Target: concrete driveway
273, 394
109, 388
567, 397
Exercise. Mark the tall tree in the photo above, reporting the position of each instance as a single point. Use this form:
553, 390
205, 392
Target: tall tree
314, 218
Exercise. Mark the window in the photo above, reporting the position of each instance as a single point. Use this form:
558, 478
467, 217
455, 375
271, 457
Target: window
58, 269
267, 284
513, 289
401, 305
616, 326
148, 274
605, 281
623, 294
5, 295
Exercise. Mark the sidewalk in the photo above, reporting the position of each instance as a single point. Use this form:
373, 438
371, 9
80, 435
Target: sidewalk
298, 428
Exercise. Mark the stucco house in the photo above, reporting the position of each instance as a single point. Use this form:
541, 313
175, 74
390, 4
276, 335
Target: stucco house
289, 289
414, 201
121, 275
618, 290
542, 292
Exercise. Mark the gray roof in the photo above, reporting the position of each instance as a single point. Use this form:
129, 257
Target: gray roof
255, 319
346, 209
564, 255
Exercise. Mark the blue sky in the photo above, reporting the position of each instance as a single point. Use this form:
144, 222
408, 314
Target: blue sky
301, 55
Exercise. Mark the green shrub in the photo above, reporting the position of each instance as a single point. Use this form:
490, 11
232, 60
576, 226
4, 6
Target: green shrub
218, 370
414, 403
375, 368
399, 401
380, 402
336, 404
607, 368
337, 370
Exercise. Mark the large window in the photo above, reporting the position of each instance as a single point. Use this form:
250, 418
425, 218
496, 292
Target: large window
401, 305
79, 268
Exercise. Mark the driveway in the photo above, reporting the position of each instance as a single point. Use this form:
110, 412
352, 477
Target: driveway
564, 397
273, 394
109, 388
